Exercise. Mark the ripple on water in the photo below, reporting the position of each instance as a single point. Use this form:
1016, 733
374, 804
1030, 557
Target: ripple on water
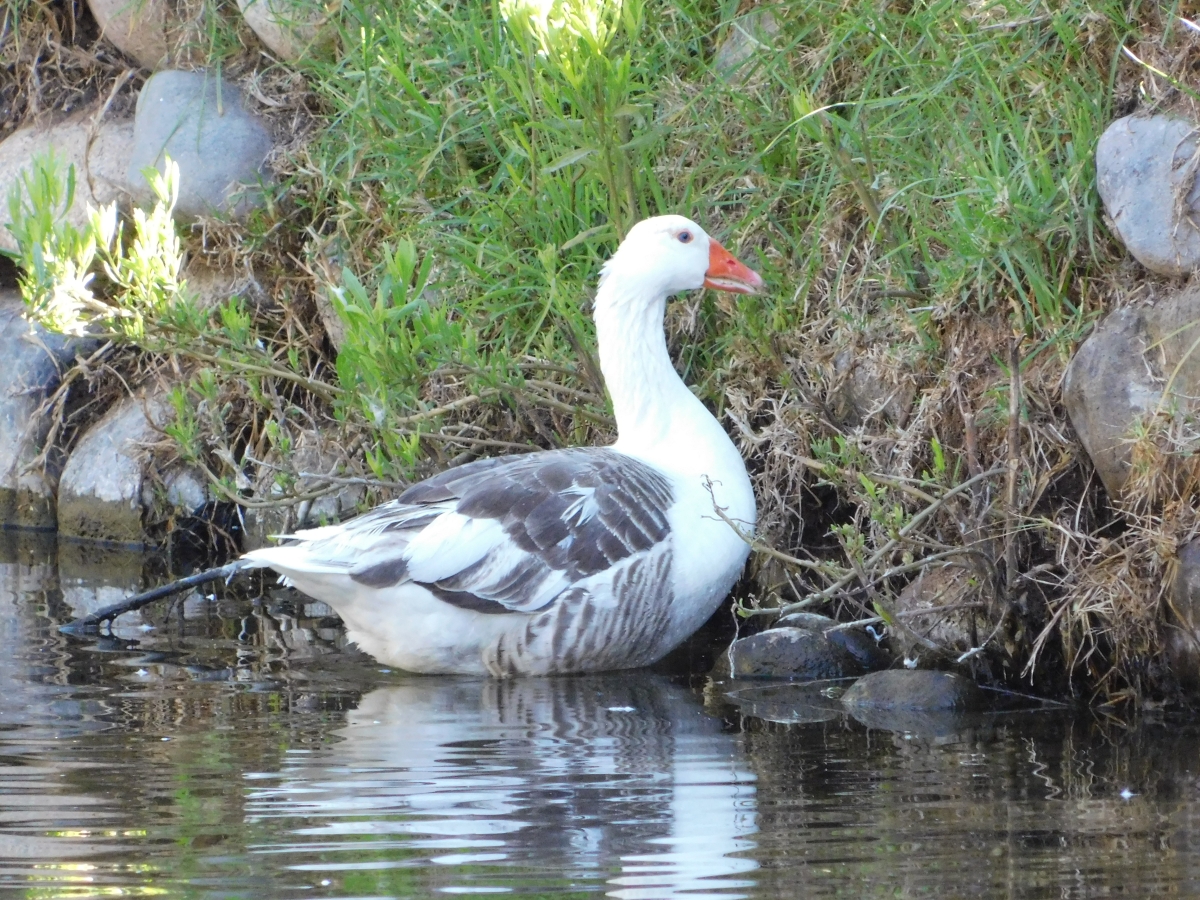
239, 749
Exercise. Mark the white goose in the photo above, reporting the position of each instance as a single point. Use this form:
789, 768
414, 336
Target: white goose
572, 560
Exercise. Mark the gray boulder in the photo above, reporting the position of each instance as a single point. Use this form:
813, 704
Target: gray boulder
198, 120
1118, 377
916, 702
1146, 174
100, 160
855, 641
290, 28
106, 489
138, 28
793, 653
29, 375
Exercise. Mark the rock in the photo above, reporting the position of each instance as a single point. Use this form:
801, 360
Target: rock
955, 629
92, 577
138, 28
99, 169
1144, 167
100, 493
198, 119
290, 28
806, 620
105, 490
1182, 638
313, 453
793, 653
793, 703
938, 726
335, 326
856, 641
864, 388
1118, 376
914, 689
29, 375
214, 287
748, 36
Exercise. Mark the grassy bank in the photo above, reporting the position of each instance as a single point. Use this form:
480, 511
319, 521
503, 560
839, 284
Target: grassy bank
916, 183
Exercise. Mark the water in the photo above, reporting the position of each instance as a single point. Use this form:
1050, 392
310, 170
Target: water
240, 750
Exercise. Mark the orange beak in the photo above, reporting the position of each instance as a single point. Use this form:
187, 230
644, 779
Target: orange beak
725, 273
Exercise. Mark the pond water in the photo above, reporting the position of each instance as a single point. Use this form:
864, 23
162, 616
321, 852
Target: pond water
232, 748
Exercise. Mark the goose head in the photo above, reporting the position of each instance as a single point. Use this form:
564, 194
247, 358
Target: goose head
665, 255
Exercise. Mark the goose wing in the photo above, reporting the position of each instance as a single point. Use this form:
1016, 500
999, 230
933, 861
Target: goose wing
503, 535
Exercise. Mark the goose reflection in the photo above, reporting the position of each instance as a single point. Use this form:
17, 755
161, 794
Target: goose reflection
539, 785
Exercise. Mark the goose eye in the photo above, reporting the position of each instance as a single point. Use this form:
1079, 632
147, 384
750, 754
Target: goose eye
685, 237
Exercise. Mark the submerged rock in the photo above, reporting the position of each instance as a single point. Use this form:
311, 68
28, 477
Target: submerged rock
914, 689
791, 703
199, 121
28, 376
92, 577
100, 166
138, 28
1146, 174
794, 653
1118, 376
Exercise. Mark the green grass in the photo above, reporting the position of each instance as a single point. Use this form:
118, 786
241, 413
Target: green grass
890, 168
938, 153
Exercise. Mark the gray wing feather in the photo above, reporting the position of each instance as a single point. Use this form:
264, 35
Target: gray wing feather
566, 514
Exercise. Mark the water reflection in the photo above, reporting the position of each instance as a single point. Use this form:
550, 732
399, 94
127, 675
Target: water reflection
238, 749
532, 784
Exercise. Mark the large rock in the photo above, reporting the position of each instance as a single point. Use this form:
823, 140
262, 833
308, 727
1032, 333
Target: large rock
855, 641
1118, 376
1146, 173
199, 121
29, 374
106, 488
100, 166
290, 28
138, 28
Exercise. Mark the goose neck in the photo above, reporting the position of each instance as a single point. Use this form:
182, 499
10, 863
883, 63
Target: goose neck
648, 396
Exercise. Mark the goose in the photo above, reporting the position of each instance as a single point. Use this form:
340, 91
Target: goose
574, 560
